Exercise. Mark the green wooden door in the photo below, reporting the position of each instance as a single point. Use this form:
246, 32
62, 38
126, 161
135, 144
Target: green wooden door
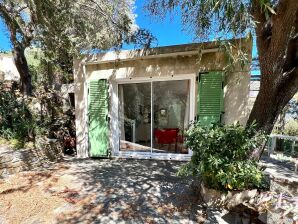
210, 98
98, 118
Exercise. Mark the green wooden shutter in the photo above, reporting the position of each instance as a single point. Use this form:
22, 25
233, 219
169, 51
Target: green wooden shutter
210, 99
98, 118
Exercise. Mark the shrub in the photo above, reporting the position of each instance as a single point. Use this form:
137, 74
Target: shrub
220, 156
16, 121
23, 119
291, 127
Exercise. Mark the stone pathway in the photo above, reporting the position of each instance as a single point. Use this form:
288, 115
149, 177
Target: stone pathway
101, 191
277, 169
132, 191
104, 191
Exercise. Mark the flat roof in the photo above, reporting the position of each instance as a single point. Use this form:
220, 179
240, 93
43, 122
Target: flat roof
158, 52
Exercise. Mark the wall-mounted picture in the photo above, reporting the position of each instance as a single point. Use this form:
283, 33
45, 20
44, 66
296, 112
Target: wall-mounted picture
163, 112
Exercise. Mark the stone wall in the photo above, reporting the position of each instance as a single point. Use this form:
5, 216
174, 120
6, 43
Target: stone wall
287, 188
14, 161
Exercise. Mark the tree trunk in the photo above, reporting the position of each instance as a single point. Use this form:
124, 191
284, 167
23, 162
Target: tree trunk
23, 69
273, 96
277, 43
268, 105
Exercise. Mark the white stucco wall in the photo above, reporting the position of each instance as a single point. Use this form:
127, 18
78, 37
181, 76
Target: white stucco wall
129, 66
8, 70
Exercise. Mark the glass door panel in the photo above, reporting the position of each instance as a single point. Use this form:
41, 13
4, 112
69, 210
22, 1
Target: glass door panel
171, 116
135, 117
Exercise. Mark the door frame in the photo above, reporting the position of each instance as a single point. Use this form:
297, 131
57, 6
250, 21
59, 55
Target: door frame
115, 138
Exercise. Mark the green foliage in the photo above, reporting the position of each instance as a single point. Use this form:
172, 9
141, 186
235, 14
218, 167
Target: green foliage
291, 127
45, 72
70, 27
67, 28
25, 119
213, 17
220, 156
16, 121
293, 107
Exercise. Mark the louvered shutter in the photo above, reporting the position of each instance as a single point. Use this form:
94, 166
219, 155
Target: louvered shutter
97, 116
210, 99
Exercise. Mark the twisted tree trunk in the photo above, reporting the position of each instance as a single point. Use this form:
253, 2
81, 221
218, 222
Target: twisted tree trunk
20, 37
23, 69
277, 43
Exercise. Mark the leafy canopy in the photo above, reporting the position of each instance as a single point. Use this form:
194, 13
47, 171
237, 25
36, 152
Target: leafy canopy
67, 27
213, 18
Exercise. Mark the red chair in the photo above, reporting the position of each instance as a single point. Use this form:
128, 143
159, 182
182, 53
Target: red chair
166, 136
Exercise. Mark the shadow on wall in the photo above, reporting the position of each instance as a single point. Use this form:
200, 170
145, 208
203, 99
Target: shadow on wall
8, 70
236, 94
80, 105
236, 98
158, 67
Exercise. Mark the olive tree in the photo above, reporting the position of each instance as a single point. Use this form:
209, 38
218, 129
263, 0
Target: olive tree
274, 23
63, 28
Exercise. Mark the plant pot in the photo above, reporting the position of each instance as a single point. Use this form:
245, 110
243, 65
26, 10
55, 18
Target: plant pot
228, 199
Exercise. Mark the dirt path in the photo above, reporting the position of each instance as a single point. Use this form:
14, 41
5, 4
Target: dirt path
99, 191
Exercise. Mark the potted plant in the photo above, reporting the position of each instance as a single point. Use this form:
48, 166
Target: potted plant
223, 173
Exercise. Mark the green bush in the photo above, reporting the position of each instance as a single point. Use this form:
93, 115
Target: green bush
23, 119
16, 120
220, 156
291, 128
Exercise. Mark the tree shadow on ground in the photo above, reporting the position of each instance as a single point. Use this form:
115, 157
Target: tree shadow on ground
282, 167
133, 191
30, 179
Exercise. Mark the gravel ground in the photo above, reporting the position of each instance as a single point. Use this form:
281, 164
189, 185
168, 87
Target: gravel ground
133, 191
101, 191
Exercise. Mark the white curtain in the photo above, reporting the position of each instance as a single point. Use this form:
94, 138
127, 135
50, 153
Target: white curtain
187, 106
121, 111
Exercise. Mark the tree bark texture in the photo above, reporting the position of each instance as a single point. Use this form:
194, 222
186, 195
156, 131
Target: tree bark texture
23, 69
20, 37
277, 43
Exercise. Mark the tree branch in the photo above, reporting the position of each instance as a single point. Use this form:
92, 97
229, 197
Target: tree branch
9, 22
291, 59
98, 9
15, 24
21, 9
289, 86
263, 32
282, 25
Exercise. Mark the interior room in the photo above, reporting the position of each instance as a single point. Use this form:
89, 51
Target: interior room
153, 116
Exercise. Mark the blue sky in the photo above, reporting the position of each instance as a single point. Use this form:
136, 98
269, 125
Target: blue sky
4, 40
167, 32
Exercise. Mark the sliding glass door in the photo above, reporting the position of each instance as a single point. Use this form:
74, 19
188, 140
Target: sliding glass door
153, 116
171, 115
135, 117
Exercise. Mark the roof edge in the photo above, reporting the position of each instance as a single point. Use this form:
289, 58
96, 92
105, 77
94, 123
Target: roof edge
157, 52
